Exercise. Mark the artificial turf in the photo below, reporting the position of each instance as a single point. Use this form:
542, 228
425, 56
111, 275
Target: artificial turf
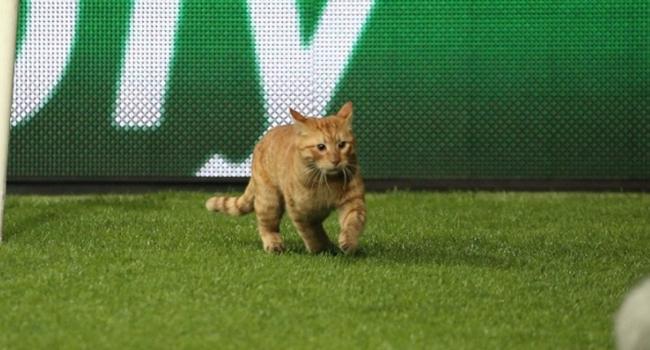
437, 271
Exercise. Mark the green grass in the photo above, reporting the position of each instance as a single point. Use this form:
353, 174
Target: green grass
437, 271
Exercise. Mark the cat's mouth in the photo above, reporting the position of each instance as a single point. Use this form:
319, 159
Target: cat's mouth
334, 171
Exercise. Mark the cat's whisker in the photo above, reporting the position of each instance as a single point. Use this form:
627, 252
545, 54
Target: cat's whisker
313, 180
314, 176
350, 173
326, 183
352, 167
310, 172
322, 179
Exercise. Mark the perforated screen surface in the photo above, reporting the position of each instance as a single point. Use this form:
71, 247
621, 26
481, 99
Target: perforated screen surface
442, 89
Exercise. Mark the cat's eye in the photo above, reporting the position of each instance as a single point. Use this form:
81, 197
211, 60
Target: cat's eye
342, 144
321, 146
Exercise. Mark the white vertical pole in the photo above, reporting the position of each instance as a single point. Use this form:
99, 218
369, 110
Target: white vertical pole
8, 19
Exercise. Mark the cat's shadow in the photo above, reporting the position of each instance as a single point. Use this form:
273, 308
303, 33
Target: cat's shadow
438, 252
457, 252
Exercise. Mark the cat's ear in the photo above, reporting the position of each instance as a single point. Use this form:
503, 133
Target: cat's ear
299, 121
346, 111
297, 116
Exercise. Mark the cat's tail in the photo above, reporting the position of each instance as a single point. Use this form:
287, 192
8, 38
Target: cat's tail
233, 205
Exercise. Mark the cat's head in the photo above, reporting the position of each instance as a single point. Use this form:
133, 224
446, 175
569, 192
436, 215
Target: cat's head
327, 144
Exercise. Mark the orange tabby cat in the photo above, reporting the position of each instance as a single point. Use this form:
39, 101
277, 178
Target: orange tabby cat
308, 169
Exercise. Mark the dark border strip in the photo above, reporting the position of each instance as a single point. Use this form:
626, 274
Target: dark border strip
72, 185
596, 185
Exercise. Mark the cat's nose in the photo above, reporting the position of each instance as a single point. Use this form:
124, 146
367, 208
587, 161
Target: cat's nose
336, 161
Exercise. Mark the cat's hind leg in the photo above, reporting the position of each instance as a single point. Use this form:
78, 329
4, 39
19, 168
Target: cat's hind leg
269, 208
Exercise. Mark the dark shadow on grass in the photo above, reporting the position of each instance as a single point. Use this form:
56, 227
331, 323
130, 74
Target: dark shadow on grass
67, 210
457, 252
28, 223
493, 253
297, 248
447, 252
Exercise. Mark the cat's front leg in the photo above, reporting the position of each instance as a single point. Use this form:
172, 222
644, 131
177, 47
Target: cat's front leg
310, 228
352, 218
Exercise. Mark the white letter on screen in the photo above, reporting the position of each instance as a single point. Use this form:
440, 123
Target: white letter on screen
303, 78
146, 64
44, 55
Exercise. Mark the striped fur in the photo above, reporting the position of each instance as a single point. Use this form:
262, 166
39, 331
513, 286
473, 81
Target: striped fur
307, 170
234, 206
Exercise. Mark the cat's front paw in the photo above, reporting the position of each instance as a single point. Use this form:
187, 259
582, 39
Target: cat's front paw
274, 247
348, 245
324, 247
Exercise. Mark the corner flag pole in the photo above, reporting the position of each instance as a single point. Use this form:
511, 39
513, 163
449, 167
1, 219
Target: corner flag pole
8, 19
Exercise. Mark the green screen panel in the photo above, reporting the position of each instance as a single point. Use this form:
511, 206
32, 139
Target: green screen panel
442, 90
